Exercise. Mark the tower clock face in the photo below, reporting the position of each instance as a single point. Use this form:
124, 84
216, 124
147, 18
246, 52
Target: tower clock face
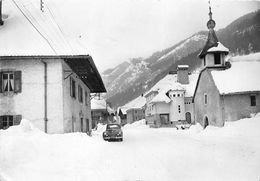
211, 24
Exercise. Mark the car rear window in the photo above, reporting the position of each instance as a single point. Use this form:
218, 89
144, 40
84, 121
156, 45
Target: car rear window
113, 126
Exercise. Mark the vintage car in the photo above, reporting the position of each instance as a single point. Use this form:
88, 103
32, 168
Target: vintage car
113, 132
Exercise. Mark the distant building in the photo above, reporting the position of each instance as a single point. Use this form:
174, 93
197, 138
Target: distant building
122, 115
135, 109
42, 78
170, 100
135, 114
101, 111
226, 90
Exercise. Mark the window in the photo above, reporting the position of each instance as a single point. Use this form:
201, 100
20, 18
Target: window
253, 100
81, 124
80, 93
217, 58
9, 120
205, 99
10, 81
72, 88
86, 98
179, 108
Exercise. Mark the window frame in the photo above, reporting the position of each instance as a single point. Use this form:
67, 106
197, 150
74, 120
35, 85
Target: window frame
86, 98
10, 120
80, 94
205, 99
8, 81
72, 88
16, 81
252, 100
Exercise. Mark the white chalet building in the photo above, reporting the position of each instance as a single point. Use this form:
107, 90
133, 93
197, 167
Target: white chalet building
43, 77
170, 100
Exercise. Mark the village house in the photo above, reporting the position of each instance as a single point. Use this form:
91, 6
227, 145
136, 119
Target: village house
227, 90
170, 100
44, 77
121, 115
101, 111
135, 110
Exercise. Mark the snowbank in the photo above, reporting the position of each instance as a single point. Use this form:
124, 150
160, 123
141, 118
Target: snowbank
136, 125
100, 129
229, 153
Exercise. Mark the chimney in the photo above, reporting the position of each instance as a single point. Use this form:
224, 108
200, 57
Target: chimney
1, 21
183, 74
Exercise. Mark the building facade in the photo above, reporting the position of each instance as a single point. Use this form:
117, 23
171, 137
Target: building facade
44, 77
101, 112
48, 91
135, 114
170, 100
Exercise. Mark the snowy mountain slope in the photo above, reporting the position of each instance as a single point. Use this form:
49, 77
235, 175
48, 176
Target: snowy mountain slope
142, 71
189, 45
241, 37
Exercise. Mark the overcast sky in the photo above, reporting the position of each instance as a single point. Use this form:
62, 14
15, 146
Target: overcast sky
114, 31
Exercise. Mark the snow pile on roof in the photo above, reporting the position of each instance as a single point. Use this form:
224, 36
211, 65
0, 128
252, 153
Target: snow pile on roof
28, 31
243, 76
137, 103
97, 104
251, 57
219, 48
234, 151
169, 82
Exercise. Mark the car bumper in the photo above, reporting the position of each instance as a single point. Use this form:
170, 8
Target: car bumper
113, 137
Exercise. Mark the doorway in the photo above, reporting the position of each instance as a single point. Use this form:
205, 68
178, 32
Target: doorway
164, 119
188, 117
87, 125
206, 122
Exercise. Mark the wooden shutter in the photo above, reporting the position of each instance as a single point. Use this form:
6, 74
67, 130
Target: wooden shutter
17, 119
1, 122
70, 86
18, 81
1, 82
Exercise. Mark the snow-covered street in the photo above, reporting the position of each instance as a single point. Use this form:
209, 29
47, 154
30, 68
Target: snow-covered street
229, 153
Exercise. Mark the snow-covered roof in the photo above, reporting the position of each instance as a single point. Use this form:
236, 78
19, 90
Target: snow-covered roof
219, 48
137, 103
243, 76
28, 31
169, 82
99, 104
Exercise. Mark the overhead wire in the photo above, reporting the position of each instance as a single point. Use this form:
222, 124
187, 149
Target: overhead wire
35, 27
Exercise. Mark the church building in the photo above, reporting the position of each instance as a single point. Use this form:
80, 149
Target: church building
227, 89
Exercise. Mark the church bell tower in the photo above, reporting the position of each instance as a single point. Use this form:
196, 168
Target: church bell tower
213, 53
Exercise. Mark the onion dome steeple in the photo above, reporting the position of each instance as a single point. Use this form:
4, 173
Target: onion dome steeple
212, 37
213, 51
